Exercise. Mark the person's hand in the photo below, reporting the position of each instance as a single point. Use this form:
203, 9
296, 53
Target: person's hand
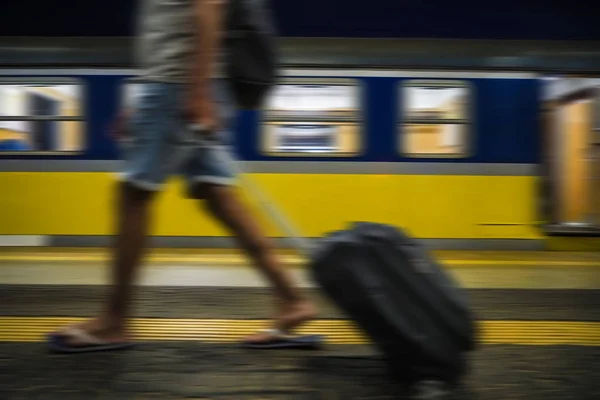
118, 128
200, 111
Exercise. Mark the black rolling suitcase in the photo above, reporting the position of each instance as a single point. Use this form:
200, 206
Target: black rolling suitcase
402, 299
390, 285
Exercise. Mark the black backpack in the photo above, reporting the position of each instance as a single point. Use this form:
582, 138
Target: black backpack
251, 59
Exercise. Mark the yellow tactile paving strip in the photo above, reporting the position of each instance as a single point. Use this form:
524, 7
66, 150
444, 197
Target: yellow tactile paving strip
234, 258
33, 329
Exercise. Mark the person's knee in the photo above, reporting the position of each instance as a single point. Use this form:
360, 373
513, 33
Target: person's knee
135, 195
199, 191
221, 196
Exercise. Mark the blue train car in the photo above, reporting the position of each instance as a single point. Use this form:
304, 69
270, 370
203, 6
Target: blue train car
451, 155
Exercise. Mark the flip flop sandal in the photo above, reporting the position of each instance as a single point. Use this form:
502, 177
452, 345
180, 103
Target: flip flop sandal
283, 340
59, 343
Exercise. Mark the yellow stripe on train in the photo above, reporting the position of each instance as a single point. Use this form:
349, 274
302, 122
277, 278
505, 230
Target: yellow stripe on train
429, 206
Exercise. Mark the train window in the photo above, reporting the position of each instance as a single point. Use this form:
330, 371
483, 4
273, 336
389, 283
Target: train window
312, 117
306, 139
311, 98
434, 118
41, 116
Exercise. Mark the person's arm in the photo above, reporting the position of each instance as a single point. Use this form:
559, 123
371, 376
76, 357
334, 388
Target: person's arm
209, 16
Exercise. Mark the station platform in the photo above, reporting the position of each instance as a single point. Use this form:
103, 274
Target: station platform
538, 318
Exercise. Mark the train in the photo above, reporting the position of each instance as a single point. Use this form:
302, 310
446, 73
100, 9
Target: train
453, 156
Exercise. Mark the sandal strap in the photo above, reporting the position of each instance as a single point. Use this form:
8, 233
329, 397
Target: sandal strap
275, 332
80, 334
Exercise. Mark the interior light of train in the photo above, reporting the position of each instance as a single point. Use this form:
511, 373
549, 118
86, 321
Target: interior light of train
290, 97
17, 100
427, 102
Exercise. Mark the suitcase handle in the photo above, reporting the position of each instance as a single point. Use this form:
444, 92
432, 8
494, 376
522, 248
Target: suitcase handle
380, 231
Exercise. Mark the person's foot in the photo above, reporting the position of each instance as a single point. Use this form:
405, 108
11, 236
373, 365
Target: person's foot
290, 317
92, 332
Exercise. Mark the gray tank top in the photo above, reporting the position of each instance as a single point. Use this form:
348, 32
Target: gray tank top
166, 42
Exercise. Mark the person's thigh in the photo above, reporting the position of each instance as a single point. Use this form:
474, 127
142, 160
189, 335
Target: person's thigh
212, 162
153, 150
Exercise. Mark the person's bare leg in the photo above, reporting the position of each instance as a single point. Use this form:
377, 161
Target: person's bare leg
225, 204
133, 219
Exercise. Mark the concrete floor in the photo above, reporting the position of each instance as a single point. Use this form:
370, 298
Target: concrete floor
538, 312
177, 274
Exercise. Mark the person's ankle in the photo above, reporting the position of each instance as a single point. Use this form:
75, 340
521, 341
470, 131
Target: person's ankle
294, 300
113, 321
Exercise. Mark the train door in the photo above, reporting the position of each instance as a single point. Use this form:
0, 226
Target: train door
595, 152
572, 157
574, 188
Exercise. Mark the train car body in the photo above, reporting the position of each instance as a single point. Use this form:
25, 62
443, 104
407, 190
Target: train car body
484, 191
453, 155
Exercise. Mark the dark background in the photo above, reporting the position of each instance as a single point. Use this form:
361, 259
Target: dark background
466, 19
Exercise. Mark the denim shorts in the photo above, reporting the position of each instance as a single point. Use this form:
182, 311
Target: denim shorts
159, 143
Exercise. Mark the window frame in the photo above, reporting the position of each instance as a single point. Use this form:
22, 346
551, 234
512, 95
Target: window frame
355, 117
402, 118
82, 118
